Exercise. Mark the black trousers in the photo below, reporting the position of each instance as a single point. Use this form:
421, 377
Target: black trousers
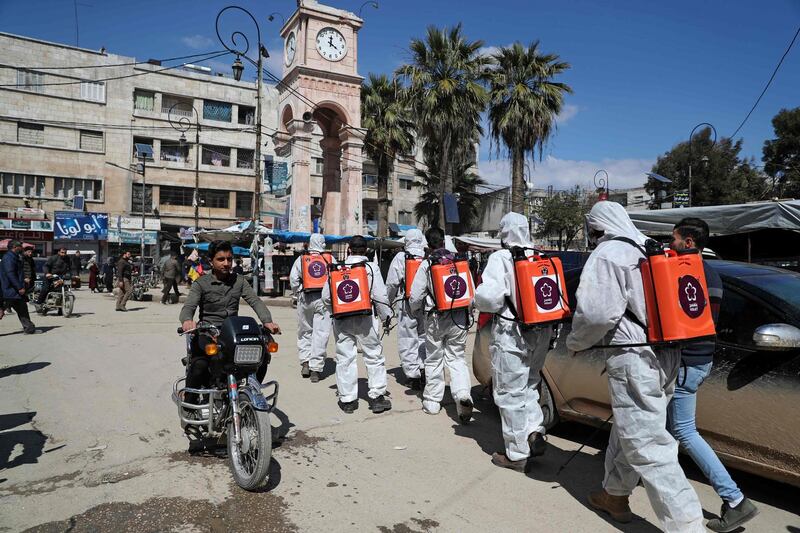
47, 285
20, 307
169, 284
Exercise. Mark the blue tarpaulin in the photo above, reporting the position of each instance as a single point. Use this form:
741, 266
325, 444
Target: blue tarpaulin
300, 236
203, 247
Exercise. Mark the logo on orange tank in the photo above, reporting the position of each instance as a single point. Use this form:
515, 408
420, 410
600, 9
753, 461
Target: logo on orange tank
691, 296
347, 291
316, 269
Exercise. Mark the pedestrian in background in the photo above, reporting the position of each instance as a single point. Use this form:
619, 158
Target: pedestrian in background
12, 283
124, 284
93, 270
75, 262
28, 268
108, 275
170, 273
697, 359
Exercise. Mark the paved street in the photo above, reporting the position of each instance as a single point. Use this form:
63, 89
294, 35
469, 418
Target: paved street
90, 441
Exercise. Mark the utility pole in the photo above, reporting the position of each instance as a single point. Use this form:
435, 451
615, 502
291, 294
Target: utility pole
143, 159
197, 173
257, 165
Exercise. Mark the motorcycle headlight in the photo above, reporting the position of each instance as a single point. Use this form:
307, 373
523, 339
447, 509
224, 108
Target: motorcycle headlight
247, 354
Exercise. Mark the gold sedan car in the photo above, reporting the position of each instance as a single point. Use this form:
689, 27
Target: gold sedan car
748, 408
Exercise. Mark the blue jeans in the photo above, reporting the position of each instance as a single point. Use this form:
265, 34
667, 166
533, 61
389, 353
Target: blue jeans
681, 423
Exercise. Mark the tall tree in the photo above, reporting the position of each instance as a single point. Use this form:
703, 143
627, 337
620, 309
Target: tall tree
782, 154
722, 178
563, 215
524, 102
446, 77
386, 116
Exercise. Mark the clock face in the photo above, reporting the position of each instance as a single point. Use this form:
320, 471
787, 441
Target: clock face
291, 48
331, 44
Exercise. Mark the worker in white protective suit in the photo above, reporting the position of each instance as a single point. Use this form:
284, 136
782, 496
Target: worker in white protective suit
410, 326
517, 352
313, 318
361, 330
611, 311
445, 338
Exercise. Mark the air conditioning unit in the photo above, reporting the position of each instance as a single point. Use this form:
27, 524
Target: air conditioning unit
30, 213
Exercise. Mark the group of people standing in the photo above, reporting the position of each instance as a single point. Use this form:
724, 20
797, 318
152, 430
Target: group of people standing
652, 388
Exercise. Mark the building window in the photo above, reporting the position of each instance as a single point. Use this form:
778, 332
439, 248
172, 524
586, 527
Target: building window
244, 204
370, 180
218, 156
244, 158
92, 140
177, 106
31, 81
136, 198
406, 182
30, 133
319, 165
247, 115
176, 195
22, 185
144, 100
215, 198
90, 189
405, 218
216, 111
142, 140
94, 91
179, 153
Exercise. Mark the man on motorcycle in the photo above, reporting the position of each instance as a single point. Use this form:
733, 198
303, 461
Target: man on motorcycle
217, 294
57, 265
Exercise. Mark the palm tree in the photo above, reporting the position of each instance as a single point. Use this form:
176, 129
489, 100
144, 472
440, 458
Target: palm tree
390, 132
445, 79
524, 103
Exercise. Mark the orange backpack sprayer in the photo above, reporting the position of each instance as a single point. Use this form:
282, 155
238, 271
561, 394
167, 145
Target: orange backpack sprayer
315, 270
350, 290
411, 267
541, 296
452, 283
676, 294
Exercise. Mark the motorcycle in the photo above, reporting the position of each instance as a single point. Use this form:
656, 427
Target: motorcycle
140, 288
60, 297
233, 407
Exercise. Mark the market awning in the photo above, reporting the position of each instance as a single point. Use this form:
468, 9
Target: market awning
203, 247
723, 219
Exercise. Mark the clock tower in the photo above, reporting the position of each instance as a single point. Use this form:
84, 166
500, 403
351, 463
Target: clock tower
319, 117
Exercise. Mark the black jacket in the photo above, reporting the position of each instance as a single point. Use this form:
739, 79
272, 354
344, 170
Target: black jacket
28, 268
57, 265
124, 270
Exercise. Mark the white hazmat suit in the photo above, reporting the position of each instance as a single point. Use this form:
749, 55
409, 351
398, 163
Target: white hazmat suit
313, 318
363, 330
517, 353
410, 326
445, 343
641, 379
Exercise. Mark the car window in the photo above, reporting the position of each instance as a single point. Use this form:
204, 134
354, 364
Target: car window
740, 315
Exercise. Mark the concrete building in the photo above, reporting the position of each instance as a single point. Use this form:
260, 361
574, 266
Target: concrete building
70, 119
633, 199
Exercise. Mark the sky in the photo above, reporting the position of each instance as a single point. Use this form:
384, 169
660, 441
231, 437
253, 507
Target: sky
643, 73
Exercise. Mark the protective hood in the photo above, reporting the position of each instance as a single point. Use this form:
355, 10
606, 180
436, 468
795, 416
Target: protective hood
316, 243
514, 231
612, 219
415, 242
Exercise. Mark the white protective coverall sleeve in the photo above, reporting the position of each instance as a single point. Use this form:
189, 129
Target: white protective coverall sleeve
296, 275
313, 318
517, 355
641, 380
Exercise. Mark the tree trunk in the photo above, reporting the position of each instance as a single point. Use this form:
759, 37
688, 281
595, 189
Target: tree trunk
383, 197
444, 186
518, 181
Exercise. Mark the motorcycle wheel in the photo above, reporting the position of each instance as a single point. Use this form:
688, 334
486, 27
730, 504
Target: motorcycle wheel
69, 305
250, 462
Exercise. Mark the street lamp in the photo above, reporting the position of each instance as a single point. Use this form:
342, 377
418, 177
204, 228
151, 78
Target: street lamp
704, 160
182, 125
271, 16
238, 68
371, 3
601, 184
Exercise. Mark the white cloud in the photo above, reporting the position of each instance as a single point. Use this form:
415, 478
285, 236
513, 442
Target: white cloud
197, 42
568, 112
488, 50
567, 173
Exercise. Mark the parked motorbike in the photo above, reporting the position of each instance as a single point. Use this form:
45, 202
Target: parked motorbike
233, 407
140, 287
60, 297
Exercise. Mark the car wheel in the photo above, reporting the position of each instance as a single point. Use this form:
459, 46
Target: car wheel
547, 404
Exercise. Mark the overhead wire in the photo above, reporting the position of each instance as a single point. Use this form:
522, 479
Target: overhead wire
130, 63
769, 82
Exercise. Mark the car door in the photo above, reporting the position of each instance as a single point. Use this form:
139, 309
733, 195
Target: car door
749, 406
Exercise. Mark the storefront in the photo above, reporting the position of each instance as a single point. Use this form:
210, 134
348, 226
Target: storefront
33, 231
81, 232
125, 235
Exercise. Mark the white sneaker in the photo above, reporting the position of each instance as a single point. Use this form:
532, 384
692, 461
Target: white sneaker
431, 408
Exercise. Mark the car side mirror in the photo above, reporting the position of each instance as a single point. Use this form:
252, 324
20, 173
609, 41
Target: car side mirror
775, 337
